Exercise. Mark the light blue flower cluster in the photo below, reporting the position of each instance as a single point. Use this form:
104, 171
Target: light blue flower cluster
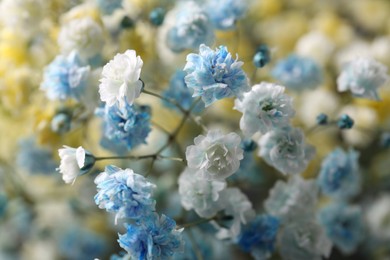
124, 192
215, 75
298, 73
152, 237
339, 176
108, 6
259, 236
66, 77
343, 225
124, 127
225, 13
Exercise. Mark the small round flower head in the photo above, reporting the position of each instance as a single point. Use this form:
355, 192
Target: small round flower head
298, 73
322, 119
200, 194
156, 16
124, 192
83, 35
74, 162
65, 77
363, 76
339, 176
225, 13
125, 127
303, 239
109, 6
294, 199
215, 75
262, 56
152, 237
120, 79
264, 108
191, 28
61, 123
345, 122
216, 156
343, 224
286, 150
259, 236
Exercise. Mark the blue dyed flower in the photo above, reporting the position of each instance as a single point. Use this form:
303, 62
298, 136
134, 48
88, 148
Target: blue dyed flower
152, 237
339, 176
156, 16
258, 237
343, 225
298, 73
262, 56
225, 13
61, 123
124, 192
108, 6
66, 77
214, 75
124, 127
179, 91
345, 122
322, 119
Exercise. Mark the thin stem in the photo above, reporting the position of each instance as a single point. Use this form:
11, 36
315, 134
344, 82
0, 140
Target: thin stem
195, 223
197, 251
169, 100
153, 156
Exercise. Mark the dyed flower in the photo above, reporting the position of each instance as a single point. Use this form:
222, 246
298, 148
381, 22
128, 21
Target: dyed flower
125, 127
294, 199
66, 77
264, 108
363, 77
322, 119
152, 237
61, 122
343, 225
200, 194
345, 122
224, 14
339, 176
298, 73
259, 236
108, 6
124, 192
156, 16
120, 81
262, 56
286, 150
216, 156
214, 75
74, 162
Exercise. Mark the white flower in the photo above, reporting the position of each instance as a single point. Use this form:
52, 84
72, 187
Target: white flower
216, 156
82, 35
315, 45
121, 79
363, 77
378, 215
74, 162
264, 107
200, 194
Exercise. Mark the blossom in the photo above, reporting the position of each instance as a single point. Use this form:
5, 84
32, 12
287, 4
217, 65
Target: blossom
343, 225
224, 14
214, 75
363, 76
124, 127
200, 194
259, 236
74, 162
286, 150
65, 77
339, 176
152, 237
294, 199
124, 192
156, 16
264, 108
120, 79
216, 156
298, 73
262, 56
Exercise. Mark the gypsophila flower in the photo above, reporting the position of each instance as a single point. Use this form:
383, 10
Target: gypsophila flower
377, 217
294, 199
216, 156
124, 127
65, 77
262, 56
339, 176
156, 16
108, 6
225, 13
363, 76
124, 192
152, 237
286, 150
345, 122
200, 194
74, 162
259, 236
215, 75
264, 108
298, 73
120, 79
343, 225
322, 119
